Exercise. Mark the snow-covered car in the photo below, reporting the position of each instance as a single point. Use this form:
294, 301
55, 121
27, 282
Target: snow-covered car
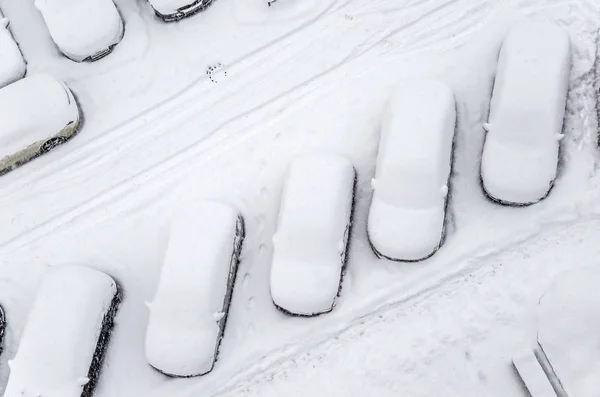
83, 30
37, 113
520, 154
189, 311
174, 10
313, 230
410, 188
12, 64
68, 328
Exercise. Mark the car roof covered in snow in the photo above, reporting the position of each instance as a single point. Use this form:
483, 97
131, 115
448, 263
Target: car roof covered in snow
528, 101
415, 148
62, 329
33, 108
313, 212
182, 331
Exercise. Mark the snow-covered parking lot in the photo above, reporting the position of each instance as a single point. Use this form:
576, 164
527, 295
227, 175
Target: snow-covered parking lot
216, 106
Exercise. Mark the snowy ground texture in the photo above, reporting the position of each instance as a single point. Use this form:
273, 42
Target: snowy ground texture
216, 106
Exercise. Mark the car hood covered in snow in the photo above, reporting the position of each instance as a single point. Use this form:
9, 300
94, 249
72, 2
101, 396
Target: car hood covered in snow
405, 233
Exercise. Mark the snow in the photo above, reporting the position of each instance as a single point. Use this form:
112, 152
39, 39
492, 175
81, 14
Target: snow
568, 321
309, 245
520, 155
406, 217
57, 346
82, 28
533, 376
158, 131
12, 65
183, 329
34, 108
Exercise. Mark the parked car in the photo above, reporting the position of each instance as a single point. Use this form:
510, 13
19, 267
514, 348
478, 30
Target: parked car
37, 113
12, 64
174, 10
410, 188
311, 242
83, 30
520, 154
68, 328
189, 312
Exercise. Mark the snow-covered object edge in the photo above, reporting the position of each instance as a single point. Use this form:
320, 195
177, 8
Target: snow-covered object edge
313, 231
37, 113
68, 328
83, 30
189, 311
406, 220
520, 155
175, 10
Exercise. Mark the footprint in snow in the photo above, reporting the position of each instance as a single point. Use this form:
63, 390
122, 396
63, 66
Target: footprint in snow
216, 73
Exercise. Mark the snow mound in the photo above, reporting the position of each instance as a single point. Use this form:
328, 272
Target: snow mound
82, 28
189, 310
568, 323
34, 108
312, 233
12, 64
410, 188
60, 338
520, 154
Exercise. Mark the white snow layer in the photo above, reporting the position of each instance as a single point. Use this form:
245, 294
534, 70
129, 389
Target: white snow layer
82, 28
12, 64
57, 346
532, 375
406, 217
520, 154
158, 131
34, 108
309, 245
568, 324
183, 327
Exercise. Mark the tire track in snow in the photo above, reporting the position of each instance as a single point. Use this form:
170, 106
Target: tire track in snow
218, 143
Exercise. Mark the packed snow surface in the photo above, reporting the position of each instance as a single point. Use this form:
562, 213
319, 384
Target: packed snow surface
309, 245
12, 64
82, 28
34, 108
520, 154
63, 326
406, 218
183, 326
568, 324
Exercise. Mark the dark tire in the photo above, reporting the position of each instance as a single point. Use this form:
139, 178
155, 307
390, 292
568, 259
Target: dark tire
52, 143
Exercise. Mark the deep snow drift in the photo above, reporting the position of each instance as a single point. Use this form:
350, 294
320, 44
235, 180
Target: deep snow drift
173, 116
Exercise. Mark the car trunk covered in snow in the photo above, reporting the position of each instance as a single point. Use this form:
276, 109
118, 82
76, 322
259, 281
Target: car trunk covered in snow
410, 188
67, 331
312, 233
189, 311
520, 155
